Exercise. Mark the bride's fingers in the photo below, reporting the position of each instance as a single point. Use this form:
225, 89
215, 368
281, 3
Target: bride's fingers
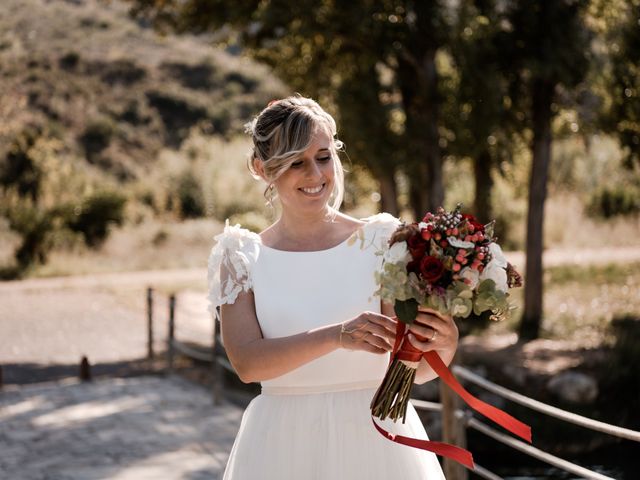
382, 320
377, 341
422, 346
430, 320
422, 331
381, 332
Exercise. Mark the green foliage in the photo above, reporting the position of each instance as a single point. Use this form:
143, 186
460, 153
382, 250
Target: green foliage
623, 367
69, 61
615, 200
20, 168
623, 118
190, 196
93, 216
35, 226
97, 136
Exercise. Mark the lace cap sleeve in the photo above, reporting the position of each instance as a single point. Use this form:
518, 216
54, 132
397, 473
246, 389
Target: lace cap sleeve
230, 261
379, 229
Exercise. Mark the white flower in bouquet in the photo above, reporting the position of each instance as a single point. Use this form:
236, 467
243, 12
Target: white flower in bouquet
470, 276
397, 254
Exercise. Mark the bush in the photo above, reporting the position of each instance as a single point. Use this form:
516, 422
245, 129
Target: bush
20, 169
35, 227
190, 196
69, 61
97, 136
618, 200
95, 214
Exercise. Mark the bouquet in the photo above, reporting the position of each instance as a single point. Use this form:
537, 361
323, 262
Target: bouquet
450, 263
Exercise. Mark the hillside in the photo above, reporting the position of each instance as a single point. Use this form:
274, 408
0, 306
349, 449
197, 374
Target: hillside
110, 90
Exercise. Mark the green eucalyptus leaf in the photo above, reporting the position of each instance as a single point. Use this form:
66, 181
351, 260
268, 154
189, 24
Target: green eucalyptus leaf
407, 310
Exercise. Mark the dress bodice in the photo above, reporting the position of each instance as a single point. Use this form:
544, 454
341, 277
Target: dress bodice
296, 292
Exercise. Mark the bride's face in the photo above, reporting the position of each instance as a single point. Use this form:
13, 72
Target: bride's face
308, 183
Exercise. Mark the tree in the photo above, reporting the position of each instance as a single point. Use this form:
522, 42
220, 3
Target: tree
623, 119
547, 49
476, 115
328, 49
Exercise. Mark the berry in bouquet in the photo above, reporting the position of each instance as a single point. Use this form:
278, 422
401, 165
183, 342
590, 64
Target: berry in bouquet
450, 263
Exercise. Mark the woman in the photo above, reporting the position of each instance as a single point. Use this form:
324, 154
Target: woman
298, 315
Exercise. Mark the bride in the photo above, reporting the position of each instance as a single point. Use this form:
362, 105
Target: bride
298, 315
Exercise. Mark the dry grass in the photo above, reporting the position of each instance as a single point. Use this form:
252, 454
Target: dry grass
581, 301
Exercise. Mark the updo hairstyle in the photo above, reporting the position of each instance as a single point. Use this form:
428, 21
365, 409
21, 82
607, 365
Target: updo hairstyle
283, 131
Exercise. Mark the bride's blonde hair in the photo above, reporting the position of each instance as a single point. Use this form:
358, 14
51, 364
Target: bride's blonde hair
283, 131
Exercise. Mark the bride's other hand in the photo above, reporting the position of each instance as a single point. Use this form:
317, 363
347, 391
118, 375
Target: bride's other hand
433, 331
369, 331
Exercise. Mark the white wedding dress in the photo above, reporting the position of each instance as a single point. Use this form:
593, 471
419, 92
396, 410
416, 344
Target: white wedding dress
314, 422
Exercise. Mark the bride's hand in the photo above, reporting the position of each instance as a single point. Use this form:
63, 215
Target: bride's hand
433, 331
371, 332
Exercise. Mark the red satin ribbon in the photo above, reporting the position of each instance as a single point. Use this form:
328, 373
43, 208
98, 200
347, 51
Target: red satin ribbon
409, 353
439, 448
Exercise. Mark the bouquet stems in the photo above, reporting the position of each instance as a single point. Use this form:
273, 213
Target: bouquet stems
392, 397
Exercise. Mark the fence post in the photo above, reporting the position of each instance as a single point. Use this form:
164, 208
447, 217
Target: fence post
171, 335
85, 369
149, 323
453, 428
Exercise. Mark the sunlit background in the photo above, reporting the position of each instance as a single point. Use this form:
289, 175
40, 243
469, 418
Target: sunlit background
122, 153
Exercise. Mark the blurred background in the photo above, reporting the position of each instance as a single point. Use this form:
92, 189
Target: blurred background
122, 153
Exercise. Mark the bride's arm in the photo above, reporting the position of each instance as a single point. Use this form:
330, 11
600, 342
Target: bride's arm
256, 359
445, 342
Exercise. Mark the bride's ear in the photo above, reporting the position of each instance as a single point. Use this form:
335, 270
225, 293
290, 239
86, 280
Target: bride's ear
258, 166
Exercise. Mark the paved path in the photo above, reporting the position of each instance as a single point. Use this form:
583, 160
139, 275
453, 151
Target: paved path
139, 428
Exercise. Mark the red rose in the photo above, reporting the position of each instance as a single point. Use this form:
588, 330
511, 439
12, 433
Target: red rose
417, 246
477, 226
431, 269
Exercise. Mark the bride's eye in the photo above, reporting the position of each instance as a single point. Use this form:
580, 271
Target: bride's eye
296, 164
325, 159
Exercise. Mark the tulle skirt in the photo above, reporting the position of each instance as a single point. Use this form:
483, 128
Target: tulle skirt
325, 436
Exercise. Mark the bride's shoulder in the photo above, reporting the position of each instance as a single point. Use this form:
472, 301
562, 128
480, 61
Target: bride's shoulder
232, 235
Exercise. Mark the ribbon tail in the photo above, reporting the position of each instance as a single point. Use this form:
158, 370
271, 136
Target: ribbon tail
503, 419
458, 454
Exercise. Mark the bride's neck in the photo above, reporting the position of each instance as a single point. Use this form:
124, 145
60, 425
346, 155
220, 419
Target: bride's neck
298, 227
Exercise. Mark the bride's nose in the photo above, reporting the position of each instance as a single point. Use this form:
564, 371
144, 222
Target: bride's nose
313, 170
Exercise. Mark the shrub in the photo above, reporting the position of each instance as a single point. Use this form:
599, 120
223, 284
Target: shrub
200, 76
97, 136
94, 215
617, 200
69, 61
35, 227
20, 169
190, 196
123, 71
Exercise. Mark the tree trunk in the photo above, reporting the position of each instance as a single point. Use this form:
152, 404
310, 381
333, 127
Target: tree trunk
389, 193
419, 86
484, 184
542, 97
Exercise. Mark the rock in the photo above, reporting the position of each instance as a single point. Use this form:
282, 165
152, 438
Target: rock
574, 387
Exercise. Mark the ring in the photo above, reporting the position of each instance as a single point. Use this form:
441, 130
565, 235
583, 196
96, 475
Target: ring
435, 334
